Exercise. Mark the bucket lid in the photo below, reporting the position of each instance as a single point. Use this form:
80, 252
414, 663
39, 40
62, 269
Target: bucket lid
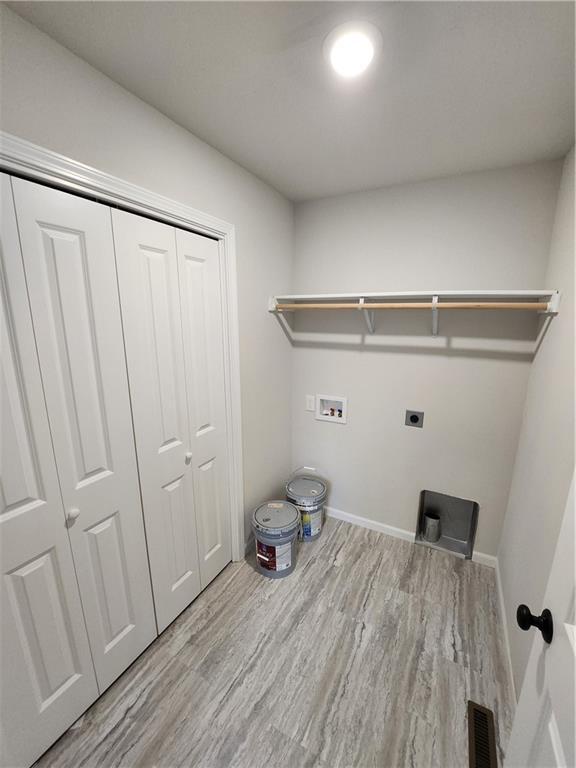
276, 518
305, 490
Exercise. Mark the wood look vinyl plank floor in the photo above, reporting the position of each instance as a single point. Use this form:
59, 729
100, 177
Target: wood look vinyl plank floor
364, 657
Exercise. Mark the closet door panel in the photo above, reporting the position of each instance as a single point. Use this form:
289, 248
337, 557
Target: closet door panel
213, 523
70, 270
149, 289
47, 674
204, 348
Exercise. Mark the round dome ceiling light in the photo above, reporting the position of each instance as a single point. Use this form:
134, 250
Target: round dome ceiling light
351, 48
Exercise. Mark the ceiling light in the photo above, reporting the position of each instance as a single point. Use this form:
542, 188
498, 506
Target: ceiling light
351, 48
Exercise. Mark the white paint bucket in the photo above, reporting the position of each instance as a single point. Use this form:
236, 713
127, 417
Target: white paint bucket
308, 494
276, 525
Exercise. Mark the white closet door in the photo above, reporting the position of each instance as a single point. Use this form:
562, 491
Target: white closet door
203, 329
148, 276
70, 271
47, 678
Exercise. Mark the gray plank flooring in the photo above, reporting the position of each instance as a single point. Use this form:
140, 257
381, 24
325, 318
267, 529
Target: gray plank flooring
365, 656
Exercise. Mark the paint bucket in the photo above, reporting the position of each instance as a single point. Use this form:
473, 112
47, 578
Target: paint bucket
308, 494
276, 525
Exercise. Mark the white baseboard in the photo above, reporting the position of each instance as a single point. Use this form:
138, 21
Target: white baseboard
502, 609
373, 525
398, 533
481, 557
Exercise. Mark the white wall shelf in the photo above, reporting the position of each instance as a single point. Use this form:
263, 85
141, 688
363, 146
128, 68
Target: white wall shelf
542, 301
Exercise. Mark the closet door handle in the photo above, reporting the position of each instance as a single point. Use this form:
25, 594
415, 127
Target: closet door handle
188, 457
71, 515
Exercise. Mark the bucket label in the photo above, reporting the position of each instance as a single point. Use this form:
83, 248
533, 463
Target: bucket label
311, 523
274, 558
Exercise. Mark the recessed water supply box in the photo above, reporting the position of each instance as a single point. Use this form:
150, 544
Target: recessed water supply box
332, 408
447, 522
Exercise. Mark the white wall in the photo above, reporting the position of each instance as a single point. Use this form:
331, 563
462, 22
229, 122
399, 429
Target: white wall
545, 459
482, 230
54, 99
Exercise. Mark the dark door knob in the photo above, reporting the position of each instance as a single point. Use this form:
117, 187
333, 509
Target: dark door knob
543, 622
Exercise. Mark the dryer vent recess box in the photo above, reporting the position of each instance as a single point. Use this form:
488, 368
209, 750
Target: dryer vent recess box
331, 408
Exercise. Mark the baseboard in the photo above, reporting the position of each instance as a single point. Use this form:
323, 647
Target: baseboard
398, 533
502, 609
373, 525
481, 557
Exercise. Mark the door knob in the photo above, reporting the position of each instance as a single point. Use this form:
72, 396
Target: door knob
188, 457
71, 515
544, 622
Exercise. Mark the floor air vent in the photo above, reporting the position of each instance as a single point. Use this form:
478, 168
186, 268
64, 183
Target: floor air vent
481, 737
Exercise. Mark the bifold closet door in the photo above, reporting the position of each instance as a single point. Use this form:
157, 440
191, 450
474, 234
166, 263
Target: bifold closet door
149, 290
47, 677
204, 349
70, 271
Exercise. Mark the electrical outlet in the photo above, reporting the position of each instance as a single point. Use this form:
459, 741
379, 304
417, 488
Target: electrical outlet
414, 419
310, 402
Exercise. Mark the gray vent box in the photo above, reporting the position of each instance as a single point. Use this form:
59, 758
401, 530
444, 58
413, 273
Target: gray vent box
458, 520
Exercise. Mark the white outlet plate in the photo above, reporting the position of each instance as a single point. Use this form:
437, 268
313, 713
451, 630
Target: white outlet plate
310, 403
332, 408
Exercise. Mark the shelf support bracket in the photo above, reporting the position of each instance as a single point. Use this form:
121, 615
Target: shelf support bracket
368, 316
434, 315
282, 322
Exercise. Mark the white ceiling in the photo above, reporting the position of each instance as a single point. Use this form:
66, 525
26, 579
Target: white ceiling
459, 86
